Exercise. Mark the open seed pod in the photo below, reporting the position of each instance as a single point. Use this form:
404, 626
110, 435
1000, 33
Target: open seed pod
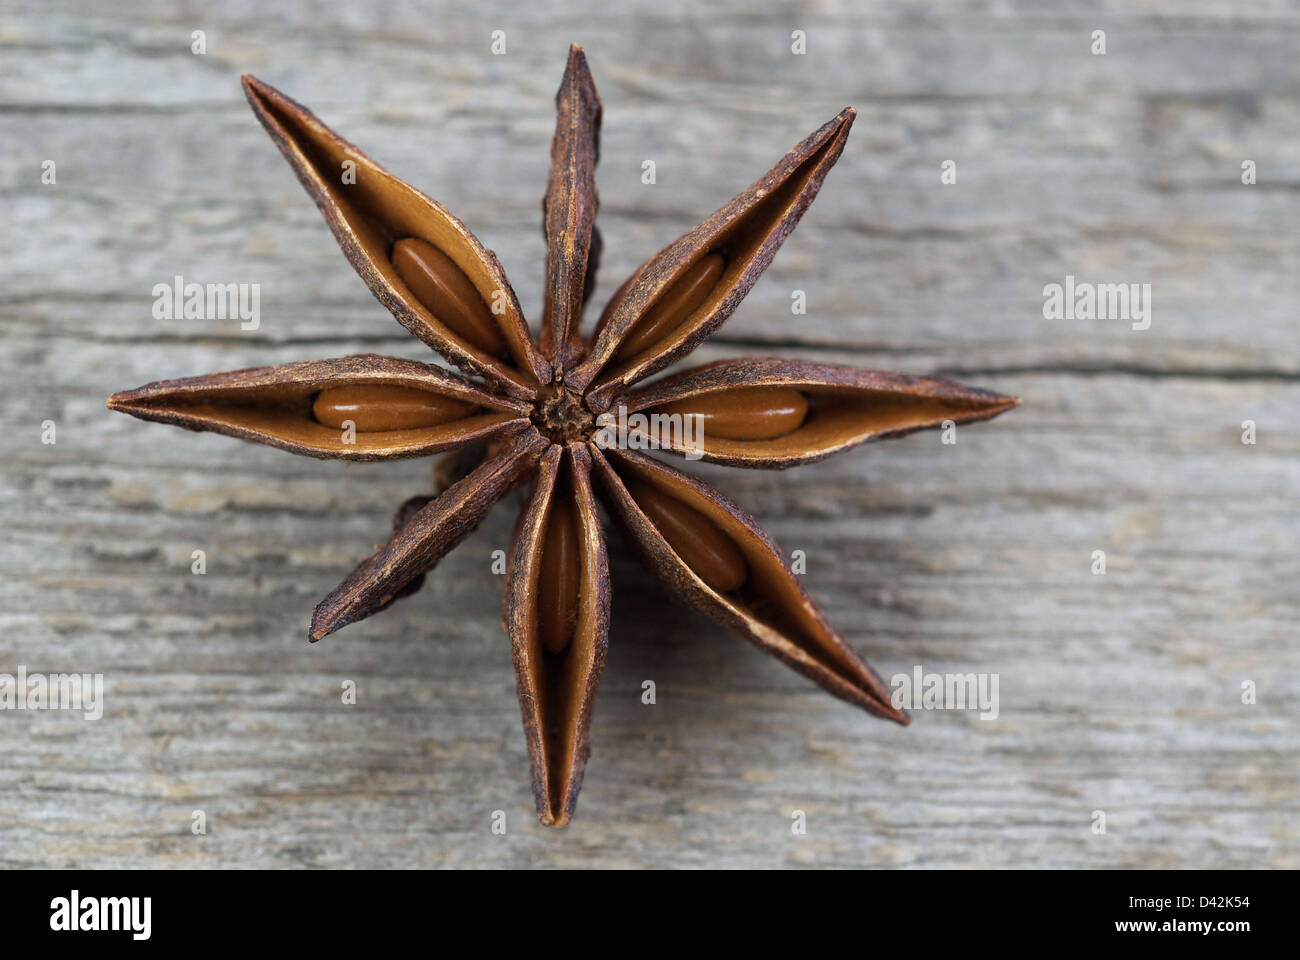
426, 537
397, 408
684, 293
557, 615
714, 557
421, 262
772, 413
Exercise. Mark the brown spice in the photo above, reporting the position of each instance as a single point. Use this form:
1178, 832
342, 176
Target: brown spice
375, 409
532, 415
746, 413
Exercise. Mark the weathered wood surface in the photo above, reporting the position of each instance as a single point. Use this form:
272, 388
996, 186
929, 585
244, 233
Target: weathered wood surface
1119, 693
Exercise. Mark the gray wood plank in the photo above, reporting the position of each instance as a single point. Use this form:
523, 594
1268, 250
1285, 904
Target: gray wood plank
1119, 692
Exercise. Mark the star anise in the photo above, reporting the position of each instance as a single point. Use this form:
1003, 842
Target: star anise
564, 410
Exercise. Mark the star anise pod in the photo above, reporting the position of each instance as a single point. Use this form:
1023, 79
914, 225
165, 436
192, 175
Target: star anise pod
532, 410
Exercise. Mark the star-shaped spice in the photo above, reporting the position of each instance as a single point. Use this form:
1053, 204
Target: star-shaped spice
569, 415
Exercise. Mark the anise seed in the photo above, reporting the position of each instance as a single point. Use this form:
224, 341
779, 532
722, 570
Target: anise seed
558, 585
447, 293
748, 413
711, 554
374, 408
676, 304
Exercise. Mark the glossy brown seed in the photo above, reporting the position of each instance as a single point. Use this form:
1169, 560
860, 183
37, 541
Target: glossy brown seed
746, 413
558, 585
447, 293
374, 408
676, 304
710, 553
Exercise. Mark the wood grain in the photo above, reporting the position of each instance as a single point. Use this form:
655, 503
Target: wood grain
1119, 693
